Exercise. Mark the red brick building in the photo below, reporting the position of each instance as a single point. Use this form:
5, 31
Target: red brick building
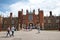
51, 22
30, 19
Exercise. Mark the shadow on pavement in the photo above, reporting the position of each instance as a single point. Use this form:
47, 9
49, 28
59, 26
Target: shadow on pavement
4, 36
17, 39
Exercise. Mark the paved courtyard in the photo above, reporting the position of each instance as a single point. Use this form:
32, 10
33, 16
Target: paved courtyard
32, 35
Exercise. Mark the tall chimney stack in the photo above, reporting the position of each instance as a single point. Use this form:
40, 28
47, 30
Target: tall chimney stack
22, 11
34, 11
50, 13
26, 11
11, 15
38, 10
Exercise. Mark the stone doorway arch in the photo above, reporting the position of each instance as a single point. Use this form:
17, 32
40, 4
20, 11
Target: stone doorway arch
31, 25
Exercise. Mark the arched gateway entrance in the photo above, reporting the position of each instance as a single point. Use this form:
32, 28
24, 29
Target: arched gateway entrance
30, 25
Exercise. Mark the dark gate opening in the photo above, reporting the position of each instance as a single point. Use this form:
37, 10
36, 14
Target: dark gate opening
31, 25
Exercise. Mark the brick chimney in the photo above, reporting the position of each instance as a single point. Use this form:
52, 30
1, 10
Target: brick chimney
11, 15
34, 11
38, 10
26, 11
22, 11
50, 13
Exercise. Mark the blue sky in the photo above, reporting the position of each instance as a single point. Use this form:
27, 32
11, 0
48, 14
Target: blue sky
7, 6
5, 3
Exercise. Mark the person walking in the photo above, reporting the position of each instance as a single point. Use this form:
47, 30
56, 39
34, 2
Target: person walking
8, 31
31, 28
12, 30
38, 28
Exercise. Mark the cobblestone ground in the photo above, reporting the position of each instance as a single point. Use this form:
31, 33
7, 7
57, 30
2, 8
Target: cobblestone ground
32, 35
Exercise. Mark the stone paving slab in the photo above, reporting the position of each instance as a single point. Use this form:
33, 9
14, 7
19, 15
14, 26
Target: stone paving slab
32, 35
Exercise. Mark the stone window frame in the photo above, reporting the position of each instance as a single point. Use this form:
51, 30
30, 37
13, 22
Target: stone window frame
57, 20
49, 21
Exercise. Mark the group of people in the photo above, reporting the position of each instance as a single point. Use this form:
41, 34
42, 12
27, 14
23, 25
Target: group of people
10, 31
37, 26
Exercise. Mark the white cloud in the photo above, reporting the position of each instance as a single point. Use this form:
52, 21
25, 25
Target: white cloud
1, 13
33, 4
56, 11
36, 1
46, 6
5, 14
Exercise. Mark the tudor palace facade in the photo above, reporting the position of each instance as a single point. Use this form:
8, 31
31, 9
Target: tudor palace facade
30, 19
